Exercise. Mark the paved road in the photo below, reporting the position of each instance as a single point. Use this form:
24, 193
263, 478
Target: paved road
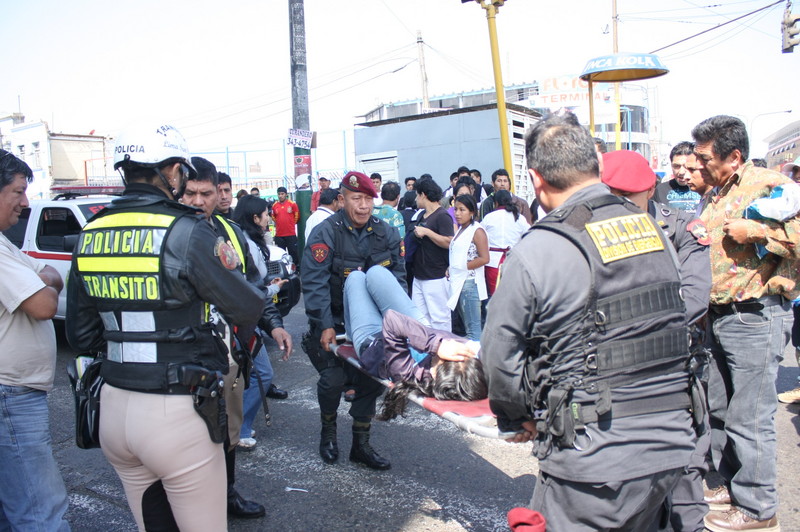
442, 480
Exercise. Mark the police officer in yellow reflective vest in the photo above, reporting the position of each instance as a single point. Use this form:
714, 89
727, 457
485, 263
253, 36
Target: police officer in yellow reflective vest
144, 274
202, 193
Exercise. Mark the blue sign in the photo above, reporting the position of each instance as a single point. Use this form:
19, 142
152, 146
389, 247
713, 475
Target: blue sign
623, 67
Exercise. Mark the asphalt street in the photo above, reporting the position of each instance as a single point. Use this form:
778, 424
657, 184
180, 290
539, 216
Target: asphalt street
442, 479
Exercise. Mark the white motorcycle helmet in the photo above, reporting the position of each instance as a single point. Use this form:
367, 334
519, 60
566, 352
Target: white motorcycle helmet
149, 147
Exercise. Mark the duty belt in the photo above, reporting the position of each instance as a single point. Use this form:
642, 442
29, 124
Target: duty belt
748, 305
167, 379
583, 414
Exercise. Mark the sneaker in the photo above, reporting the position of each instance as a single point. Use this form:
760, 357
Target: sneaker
790, 397
247, 444
252, 433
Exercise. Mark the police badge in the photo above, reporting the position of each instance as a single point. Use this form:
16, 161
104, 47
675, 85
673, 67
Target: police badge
227, 255
320, 252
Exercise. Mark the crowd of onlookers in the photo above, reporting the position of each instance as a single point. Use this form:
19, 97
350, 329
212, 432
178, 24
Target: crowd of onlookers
455, 239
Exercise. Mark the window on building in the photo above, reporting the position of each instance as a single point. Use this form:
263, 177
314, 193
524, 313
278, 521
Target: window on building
633, 118
35, 161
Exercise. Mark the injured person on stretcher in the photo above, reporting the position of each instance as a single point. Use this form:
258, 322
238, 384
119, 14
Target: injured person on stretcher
392, 343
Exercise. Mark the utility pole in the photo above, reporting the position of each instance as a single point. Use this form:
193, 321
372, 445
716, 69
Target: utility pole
300, 120
426, 103
297, 48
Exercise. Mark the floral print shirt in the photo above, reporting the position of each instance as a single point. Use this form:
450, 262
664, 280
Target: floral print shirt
391, 216
737, 273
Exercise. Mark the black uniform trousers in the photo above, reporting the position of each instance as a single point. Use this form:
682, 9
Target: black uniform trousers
337, 377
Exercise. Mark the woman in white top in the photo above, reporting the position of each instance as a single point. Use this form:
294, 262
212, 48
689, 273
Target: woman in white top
469, 251
252, 215
504, 226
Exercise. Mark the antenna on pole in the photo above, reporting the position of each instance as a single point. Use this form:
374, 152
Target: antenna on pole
426, 104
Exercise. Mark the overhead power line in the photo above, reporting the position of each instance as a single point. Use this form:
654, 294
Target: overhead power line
313, 99
717, 26
741, 24
317, 81
706, 45
694, 6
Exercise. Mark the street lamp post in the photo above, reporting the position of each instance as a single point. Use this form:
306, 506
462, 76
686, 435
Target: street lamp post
491, 7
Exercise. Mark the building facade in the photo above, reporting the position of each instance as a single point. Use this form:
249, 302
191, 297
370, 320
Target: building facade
58, 159
783, 146
440, 140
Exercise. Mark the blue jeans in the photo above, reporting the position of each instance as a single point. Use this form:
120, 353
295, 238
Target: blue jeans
32, 492
252, 395
742, 401
367, 296
469, 307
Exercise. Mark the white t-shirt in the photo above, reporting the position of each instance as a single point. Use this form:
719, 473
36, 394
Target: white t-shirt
27, 345
502, 232
315, 219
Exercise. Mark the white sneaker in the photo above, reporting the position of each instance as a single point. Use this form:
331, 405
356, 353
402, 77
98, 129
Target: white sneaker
790, 397
252, 433
247, 444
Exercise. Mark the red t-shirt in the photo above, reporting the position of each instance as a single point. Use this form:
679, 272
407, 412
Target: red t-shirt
286, 216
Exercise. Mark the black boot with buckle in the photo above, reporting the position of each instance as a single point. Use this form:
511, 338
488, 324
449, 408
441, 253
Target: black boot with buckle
328, 449
362, 452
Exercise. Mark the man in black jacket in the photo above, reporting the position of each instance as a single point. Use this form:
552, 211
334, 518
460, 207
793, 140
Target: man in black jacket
202, 193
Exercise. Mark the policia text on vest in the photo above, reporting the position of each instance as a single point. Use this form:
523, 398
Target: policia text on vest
122, 262
625, 236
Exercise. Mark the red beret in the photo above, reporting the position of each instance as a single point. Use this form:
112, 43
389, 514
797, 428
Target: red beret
627, 171
358, 182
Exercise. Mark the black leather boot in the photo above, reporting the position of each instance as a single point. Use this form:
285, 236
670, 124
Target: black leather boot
328, 449
238, 506
362, 452
276, 393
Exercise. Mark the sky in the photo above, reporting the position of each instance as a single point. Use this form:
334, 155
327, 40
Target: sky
219, 71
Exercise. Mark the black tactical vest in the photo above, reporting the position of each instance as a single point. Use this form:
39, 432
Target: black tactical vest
151, 324
632, 326
347, 257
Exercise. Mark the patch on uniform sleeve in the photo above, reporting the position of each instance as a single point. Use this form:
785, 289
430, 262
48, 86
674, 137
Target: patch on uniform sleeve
699, 231
625, 236
227, 255
402, 248
320, 252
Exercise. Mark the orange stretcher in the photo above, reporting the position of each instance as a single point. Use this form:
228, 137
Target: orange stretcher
473, 417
